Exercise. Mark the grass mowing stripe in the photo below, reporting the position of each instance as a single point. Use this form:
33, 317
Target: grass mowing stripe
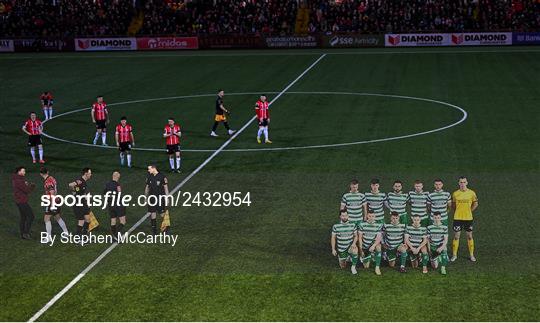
175, 189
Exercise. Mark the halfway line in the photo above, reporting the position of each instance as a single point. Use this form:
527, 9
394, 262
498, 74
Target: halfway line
175, 189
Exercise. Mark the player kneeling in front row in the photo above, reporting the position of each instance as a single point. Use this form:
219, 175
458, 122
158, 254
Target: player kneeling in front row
438, 239
369, 234
416, 242
394, 235
344, 239
49, 184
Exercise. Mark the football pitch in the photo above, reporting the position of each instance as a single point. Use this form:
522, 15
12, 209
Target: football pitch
390, 114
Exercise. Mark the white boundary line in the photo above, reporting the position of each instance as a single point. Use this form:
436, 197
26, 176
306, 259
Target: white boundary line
174, 190
390, 51
463, 118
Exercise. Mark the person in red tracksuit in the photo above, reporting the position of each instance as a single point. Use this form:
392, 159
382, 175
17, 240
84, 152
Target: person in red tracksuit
21, 190
263, 116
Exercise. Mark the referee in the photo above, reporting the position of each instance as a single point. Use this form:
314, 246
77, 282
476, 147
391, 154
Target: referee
156, 192
464, 202
115, 208
81, 210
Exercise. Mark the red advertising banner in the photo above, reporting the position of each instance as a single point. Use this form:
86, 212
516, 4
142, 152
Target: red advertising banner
167, 43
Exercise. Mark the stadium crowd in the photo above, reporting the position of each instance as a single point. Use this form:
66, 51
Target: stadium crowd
183, 17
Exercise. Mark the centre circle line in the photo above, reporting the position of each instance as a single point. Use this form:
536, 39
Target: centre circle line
463, 118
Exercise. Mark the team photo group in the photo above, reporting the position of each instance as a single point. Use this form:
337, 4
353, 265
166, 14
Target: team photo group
417, 229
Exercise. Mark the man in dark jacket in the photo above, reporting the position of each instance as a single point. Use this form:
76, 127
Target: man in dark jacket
21, 190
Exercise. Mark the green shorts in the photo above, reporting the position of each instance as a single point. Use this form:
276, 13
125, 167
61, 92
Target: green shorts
344, 255
391, 254
433, 251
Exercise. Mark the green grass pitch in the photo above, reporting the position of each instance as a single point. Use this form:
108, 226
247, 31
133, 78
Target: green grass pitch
272, 260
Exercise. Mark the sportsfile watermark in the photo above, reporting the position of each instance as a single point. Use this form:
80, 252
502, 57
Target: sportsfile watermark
118, 199
123, 238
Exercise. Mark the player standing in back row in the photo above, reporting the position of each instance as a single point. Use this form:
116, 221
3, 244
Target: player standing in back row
220, 115
100, 117
465, 203
172, 136
124, 140
263, 116
439, 201
33, 128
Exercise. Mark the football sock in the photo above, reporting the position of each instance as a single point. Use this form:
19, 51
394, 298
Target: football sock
354, 259
226, 124
79, 229
48, 227
46, 112
33, 152
377, 258
444, 258
171, 162
50, 113
103, 137
62, 225
129, 160
120, 227
96, 137
40, 150
455, 247
259, 132
403, 259
266, 133
470, 243
366, 259
85, 227
122, 159
153, 222
113, 229
178, 162
214, 127
425, 259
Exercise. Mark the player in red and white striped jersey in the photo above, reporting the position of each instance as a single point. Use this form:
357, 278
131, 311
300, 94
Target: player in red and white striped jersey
33, 128
124, 140
172, 136
46, 99
100, 117
49, 185
263, 116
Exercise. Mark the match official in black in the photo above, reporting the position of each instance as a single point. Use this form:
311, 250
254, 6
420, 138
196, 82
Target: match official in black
156, 192
116, 209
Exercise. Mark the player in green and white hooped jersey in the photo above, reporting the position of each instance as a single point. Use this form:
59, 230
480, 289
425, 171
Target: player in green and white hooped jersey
343, 241
438, 239
375, 201
416, 242
369, 235
439, 201
396, 201
418, 200
393, 241
355, 203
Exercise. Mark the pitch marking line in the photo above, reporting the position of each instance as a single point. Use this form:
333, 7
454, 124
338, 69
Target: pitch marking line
463, 118
307, 53
175, 189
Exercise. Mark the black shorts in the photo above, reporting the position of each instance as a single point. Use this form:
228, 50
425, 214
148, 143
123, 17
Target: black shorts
159, 207
34, 140
124, 146
171, 149
117, 212
54, 212
101, 124
466, 225
263, 123
81, 211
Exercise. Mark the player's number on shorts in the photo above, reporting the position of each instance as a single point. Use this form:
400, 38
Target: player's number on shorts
216, 199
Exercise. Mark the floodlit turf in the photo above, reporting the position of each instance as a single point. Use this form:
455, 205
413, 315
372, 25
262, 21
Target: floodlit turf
272, 260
